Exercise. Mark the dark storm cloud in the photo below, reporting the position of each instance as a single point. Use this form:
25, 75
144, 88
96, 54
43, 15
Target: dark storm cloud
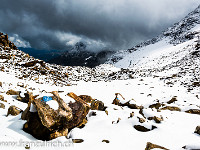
58, 24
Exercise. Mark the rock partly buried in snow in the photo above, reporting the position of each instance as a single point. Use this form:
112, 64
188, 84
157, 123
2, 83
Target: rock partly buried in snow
48, 123
171, 108
172, 100
143, 129
156, 119
193, 111
106, 141
1, 84
2, 98
97, 105
197, 130
77, 140
141, 120
14, 111
2, 105
156, 106
150, 146
12, 92
24, 98
116, 101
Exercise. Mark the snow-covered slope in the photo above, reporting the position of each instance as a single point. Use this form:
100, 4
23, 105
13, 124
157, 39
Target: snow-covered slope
185, 30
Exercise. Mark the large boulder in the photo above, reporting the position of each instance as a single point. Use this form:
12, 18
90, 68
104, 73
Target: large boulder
49, 123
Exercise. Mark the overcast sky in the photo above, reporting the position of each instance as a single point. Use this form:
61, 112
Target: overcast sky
118, 24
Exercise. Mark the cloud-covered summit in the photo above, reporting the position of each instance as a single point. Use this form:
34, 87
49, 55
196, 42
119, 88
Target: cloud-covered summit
59, 24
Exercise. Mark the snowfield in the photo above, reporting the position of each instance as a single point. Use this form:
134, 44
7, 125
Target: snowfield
160, 73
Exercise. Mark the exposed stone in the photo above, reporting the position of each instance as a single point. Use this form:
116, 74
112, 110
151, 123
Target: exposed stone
193, 111
2, 98
2, 105
12, 92
106, 112
141, 120
56, 134
156, 119
13, 110
106, 141
131, 115
97, 105
86, 98
24, 99
1, 84
143, 129
197, 130
156, 106
150, 146
33, 63
172, 100
92, 113
171, 108
35, 127
77, 140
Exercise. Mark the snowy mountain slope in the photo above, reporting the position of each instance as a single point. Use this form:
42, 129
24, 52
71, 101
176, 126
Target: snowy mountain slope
185, 30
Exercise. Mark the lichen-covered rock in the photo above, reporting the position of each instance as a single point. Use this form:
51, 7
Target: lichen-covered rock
12, 92
97, 105
197, 130
13, 110
150, 146
193, 111
2, 105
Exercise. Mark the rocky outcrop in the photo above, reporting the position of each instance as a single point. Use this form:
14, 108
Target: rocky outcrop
5, 42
